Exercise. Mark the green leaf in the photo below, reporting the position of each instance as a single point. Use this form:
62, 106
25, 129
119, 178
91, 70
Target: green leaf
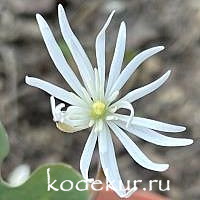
36, 187
129, 55
4, 143
65, 49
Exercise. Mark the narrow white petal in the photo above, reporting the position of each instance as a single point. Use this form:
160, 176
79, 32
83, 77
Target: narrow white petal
152, 124
118, 57
154, 137
99, 126
125, 105
78, 53
57, 56
87, 154
59, 93
80, 123
86, 96
60, 106
91, 123
78, 109
102, 137
77, 112
112, 109
56, 110
91, 88
109, 165
100, 52
130, 192
112, 97
110, 118
135, 152
147, 89
53, 107
97, 84
132, 66
77, 116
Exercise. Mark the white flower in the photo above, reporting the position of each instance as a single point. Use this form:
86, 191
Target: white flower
96, 103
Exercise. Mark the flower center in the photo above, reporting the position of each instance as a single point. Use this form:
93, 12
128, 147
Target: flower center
98, 109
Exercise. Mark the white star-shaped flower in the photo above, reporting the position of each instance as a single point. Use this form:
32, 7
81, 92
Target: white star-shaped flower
96, 103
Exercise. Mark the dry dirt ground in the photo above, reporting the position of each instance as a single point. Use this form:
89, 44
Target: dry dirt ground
26, 113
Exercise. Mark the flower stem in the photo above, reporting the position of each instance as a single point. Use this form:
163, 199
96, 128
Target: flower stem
99, 176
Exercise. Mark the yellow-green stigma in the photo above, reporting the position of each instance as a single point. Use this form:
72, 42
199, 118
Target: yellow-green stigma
98, 110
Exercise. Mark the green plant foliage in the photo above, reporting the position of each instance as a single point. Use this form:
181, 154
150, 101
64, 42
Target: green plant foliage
65, 49
36, 187
4, 144
129, 55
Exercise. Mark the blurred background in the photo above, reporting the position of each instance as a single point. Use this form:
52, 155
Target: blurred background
25, 111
